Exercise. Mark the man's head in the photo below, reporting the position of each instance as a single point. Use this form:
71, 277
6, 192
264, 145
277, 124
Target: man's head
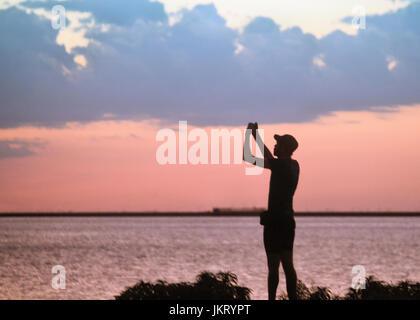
286, 145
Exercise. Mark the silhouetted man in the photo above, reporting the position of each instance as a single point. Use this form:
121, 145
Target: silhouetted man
279, 223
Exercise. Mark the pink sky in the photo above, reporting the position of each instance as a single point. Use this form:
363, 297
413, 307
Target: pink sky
349, 161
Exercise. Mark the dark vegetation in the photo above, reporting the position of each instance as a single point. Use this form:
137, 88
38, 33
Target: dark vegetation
374, 290
224, 286
208, 286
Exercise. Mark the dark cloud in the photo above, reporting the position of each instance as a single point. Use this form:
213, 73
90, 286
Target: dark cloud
17, 148
32, 88
143, 67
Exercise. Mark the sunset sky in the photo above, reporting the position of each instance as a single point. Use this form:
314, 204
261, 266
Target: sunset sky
80, 106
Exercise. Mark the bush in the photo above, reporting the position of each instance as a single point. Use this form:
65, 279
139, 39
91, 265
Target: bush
313, 293
380, 290
223, 286
208, 286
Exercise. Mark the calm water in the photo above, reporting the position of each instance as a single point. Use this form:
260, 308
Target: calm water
102, 256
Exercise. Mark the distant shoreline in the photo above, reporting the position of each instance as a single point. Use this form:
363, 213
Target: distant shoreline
207, 214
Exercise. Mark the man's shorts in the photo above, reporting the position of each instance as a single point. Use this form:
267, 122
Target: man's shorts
279, 236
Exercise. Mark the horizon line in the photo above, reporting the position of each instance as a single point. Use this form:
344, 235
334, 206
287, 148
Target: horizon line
213, 213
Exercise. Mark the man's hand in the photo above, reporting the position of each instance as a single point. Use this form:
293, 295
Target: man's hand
253, 127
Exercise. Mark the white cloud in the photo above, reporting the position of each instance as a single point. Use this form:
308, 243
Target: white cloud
74, 35
392, 63
239, 47
6, 4
109, 116
174, 18
318, 61
318, 17
80, 60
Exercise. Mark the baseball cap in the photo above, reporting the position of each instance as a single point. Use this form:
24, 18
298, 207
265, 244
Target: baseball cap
287, 140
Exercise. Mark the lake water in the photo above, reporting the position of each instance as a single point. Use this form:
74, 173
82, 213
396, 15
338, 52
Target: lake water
102, 256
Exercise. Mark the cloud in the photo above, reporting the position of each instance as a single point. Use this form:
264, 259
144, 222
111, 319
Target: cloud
198, 69
318, 17
111, 12
17, 148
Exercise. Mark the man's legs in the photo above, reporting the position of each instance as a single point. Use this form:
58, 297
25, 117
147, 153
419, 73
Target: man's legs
273, 261
290, 273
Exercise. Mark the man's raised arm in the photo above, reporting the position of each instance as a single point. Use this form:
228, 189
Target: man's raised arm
247, 156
